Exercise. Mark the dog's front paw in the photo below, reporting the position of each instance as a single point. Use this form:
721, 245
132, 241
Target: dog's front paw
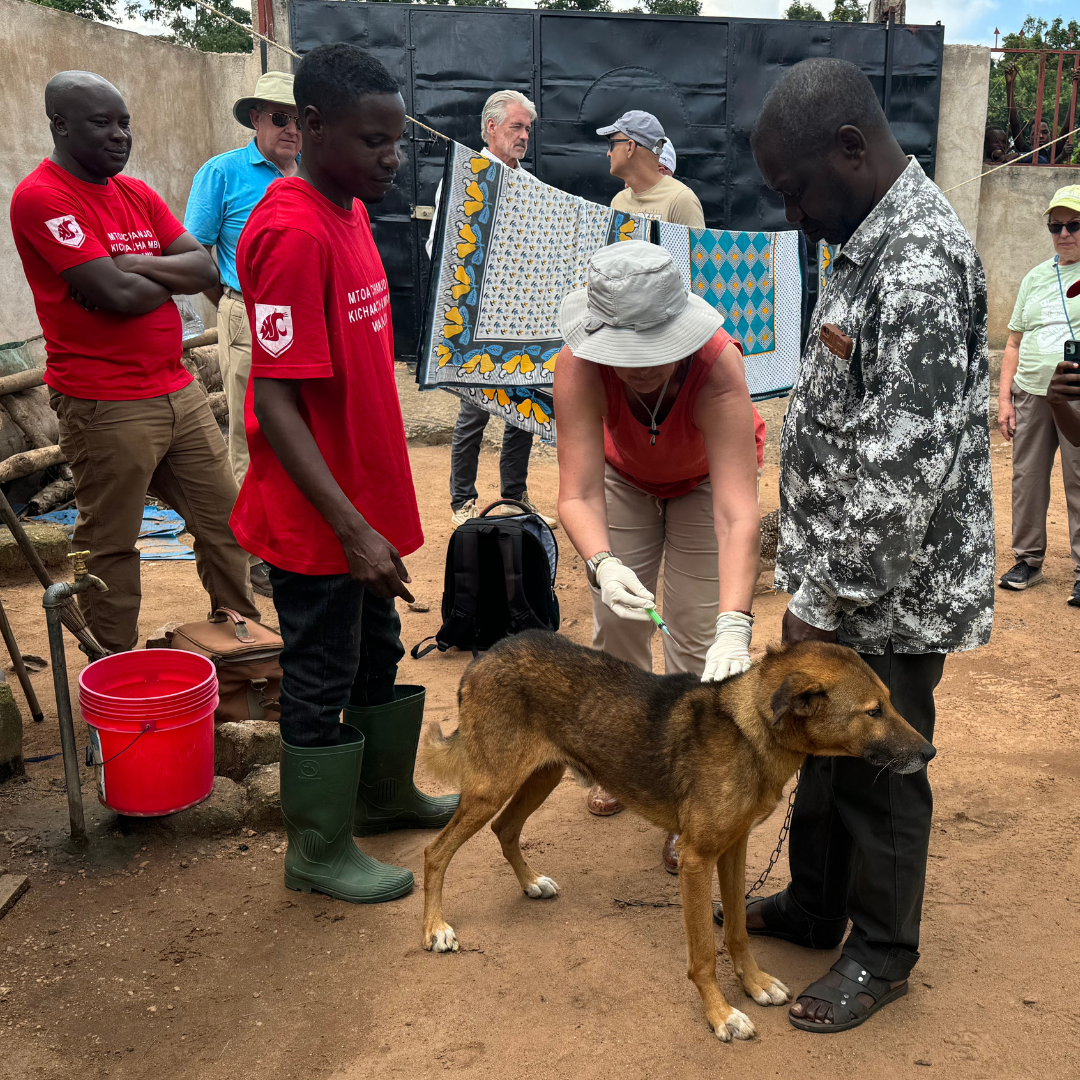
766, 990
736, 1026
543, 888
442, 939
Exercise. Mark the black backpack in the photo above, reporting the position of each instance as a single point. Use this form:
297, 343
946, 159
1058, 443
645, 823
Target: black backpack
499, 580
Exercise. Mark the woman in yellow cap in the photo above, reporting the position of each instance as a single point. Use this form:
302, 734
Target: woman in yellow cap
1046, 315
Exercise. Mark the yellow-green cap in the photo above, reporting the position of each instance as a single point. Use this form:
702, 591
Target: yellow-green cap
1066, 196
274, 86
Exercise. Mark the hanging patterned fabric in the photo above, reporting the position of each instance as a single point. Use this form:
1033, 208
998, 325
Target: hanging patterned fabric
754, 280
508, 249
826, 255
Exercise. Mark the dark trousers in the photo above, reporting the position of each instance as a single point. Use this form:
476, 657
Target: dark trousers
859, 838
342, 647
465, 457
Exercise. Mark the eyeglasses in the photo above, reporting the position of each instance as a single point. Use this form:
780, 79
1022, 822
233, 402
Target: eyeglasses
1069, 226
284, 119
612, 143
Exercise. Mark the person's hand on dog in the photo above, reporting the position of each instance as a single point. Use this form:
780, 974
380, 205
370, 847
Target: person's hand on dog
795, 630
622, 592
729, 654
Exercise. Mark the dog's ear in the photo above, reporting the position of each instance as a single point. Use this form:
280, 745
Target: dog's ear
799, 694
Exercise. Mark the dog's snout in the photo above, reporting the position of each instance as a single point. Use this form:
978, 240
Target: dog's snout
928, 752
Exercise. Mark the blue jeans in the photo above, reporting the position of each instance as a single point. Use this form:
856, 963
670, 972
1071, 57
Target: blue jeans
342, 646
465, 457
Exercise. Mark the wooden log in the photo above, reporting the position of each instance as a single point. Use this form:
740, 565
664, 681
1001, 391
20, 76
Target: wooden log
50, 497
29, 462
208, 337
219, 406
21, 380
30, 409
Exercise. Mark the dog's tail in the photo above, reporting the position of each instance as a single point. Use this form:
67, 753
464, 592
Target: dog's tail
441, 754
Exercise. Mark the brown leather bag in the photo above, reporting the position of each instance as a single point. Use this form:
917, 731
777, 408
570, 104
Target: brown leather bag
247, 658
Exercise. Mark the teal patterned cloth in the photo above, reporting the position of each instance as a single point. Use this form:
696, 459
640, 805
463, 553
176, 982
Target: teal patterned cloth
754, 279
508, 249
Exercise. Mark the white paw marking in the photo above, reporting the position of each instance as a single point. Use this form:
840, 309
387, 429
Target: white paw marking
737, 1025
775, 993
444, 940
543, 888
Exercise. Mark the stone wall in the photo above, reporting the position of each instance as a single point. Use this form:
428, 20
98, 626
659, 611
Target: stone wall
965, 80
181, 109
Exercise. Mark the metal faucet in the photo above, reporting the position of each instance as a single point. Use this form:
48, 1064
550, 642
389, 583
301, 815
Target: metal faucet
55, 596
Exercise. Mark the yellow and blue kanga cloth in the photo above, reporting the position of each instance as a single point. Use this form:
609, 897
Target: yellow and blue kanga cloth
754, 279
509, 248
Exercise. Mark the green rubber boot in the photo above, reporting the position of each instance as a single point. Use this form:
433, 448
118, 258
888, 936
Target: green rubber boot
318, 793
387, 797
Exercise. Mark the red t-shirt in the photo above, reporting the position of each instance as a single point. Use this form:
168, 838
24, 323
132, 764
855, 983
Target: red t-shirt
319, 307
59, 222
677, 463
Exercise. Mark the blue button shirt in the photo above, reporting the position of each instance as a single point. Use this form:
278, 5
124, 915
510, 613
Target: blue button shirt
223, 194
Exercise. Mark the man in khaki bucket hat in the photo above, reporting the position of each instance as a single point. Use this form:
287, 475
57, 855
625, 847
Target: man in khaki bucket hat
223, 194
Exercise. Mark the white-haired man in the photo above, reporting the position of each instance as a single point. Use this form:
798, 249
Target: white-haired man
505, 125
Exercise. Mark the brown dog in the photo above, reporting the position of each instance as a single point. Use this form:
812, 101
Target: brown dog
708, 760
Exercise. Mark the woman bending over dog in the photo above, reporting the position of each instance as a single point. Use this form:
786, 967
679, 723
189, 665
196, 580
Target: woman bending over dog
659, 452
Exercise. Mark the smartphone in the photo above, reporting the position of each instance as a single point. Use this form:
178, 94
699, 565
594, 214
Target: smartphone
1072, 352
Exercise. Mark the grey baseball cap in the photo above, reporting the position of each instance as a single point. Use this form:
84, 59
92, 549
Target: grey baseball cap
640, 126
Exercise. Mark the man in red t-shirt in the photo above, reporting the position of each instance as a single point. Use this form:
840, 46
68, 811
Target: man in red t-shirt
103, 256
328, 499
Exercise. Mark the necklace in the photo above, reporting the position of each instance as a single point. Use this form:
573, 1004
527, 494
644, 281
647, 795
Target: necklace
653, 429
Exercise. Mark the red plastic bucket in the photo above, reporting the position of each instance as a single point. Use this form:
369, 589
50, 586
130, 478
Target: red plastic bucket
151, 720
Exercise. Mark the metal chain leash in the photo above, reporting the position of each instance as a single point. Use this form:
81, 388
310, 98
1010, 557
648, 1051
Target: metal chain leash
784, 829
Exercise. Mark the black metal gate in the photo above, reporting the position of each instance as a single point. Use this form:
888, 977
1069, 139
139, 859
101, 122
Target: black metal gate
703, 78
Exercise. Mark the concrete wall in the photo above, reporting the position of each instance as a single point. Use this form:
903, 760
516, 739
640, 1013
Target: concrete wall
965, 80
180, 101
1012, 235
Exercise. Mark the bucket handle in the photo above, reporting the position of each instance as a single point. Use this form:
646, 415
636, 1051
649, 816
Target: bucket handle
148, 725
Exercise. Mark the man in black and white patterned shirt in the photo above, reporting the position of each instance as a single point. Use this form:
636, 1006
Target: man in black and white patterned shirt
886, 510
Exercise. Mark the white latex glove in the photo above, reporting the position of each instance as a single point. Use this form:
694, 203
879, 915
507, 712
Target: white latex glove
622, 592
729, 654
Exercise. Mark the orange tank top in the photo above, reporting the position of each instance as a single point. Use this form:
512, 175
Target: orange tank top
677, 463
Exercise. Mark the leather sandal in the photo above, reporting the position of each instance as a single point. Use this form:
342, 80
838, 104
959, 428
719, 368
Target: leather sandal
602, 803
774, 925
671, 856
848, 1010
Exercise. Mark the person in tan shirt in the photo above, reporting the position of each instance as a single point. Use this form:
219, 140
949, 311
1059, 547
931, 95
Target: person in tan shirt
635, 141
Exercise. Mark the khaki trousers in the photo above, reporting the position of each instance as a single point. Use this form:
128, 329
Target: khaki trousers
1034, 445
171, 448
234, 359
644, 531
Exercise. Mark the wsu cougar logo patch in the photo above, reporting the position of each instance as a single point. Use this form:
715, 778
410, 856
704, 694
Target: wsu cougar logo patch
66, 229
273, 327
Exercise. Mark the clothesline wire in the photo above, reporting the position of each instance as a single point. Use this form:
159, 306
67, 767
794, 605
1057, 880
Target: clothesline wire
285, 49
1060, 138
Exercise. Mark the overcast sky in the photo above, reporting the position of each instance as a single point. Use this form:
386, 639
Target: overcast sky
966, 21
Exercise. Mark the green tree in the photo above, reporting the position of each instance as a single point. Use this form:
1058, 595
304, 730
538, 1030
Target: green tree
848, 11
804, 13
98, 10
574, 5
1033, 34
194, 26
669, 7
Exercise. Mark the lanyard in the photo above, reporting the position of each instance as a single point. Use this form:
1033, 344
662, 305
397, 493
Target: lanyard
1061, 289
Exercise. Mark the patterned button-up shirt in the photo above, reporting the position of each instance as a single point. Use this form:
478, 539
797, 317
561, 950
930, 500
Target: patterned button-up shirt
886, 503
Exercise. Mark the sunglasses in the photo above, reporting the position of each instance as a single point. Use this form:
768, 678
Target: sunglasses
616, 142
284, 119
1069, 226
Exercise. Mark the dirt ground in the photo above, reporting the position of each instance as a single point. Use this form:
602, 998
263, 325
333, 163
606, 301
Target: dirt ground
153, 956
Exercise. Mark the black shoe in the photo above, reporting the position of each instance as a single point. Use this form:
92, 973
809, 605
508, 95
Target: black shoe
260, 580
1022, 576
1074, 600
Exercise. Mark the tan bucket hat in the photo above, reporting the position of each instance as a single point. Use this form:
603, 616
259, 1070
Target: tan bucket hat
634, 311
275, 86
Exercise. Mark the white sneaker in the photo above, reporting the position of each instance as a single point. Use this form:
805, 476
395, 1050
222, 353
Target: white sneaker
460, 516
509, 511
